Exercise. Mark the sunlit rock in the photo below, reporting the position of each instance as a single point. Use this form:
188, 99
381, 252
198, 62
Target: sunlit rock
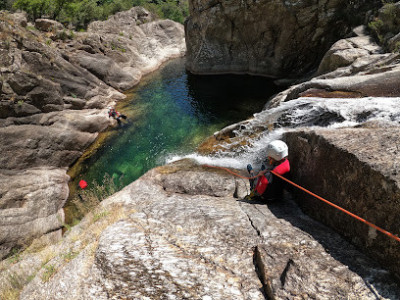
181, 236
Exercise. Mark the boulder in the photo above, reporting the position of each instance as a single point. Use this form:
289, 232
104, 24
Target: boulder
372, 75
117, 23
28, 146
345, 52
394, 43
107, 70
20, 18
48, 25
31, 205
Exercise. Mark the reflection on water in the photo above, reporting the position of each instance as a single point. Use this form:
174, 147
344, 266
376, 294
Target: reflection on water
171, 111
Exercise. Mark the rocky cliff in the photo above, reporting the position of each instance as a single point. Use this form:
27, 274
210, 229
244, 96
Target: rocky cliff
278, 39
54, 87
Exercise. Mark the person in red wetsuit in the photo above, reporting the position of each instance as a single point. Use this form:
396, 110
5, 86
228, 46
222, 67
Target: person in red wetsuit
112, 113
267, 185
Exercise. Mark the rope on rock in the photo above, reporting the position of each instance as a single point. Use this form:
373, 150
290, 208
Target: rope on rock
316, 196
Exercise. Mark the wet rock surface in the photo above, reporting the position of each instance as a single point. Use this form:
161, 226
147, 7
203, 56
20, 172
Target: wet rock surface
203, 244
53, 92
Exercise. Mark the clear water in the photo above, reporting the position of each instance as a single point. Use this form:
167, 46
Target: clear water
171, 112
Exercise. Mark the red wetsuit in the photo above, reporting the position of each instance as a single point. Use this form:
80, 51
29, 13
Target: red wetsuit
271, 185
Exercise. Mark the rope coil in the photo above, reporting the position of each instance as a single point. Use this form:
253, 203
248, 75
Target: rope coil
316, 196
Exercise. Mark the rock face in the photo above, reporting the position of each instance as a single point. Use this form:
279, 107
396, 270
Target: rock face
363, 180
270, 38
54, 86
181, 231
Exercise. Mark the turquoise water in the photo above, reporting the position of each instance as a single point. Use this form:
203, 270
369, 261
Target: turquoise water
171, 112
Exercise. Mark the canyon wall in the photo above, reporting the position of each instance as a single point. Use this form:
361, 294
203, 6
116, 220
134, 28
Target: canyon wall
55, 85
278, 39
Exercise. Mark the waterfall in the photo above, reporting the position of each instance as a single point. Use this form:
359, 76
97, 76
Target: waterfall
303, 112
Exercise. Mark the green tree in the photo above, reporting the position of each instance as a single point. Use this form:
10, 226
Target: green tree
34, 8
80, 13
171, 11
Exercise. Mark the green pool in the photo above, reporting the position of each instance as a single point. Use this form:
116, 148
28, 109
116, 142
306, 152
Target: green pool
170, 112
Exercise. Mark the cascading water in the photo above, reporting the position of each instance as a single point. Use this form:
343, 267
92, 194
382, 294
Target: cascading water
302, 112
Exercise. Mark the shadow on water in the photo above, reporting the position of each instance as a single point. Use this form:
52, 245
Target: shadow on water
334, 244
229, 96
169, 113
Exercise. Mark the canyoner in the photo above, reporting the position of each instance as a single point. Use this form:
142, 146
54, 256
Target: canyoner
266, 185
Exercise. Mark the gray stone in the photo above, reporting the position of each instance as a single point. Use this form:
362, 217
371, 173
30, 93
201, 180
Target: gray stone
108, 71
53, 95
368, 179
269, 38
345, 52
48, 25
30, 205
204, 243
29, 146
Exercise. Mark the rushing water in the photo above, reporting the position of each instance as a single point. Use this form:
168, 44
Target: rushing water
303, 112
171, 112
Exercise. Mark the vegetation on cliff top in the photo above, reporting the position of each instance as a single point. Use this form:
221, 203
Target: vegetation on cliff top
79, 13
386, 26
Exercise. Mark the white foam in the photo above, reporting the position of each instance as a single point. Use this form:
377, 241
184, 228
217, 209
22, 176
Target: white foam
302, 112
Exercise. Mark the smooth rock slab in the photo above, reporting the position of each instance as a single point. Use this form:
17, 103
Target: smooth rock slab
208, 244
30, 205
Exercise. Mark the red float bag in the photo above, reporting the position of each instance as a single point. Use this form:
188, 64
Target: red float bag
83, 184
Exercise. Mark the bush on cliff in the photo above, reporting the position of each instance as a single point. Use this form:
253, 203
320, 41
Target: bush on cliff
79, 13
386, 26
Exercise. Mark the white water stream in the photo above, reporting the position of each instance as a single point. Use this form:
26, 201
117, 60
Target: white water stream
303, 112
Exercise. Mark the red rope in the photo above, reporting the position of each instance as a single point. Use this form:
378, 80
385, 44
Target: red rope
316, 196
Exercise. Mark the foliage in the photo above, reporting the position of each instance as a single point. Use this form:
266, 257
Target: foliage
79, 13
69, 256
38, 8
48, 272
167, 9
6, 4
13, 291
89, 198
387, 23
